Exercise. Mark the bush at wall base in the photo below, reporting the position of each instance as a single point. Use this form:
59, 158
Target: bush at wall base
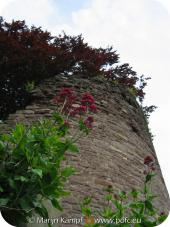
30, 169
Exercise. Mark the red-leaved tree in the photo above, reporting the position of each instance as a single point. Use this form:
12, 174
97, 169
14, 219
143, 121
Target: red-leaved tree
31, 54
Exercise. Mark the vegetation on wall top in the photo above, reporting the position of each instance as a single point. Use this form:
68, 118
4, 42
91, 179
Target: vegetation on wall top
31, 54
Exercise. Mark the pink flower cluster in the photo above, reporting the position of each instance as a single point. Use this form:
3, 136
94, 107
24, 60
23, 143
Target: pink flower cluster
68, 98
87, 99
87, 105
149, 162
65, 94
89, 122
78, 110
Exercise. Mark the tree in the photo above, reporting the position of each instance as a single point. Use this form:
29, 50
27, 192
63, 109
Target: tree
31, 54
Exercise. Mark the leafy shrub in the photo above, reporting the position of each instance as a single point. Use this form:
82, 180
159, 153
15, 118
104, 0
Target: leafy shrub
31, 159
147, 110
31, 54
126, 209
31, 166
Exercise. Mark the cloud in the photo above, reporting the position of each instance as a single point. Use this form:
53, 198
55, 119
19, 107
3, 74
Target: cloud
165, 4
138, 29
4, 3
40, 12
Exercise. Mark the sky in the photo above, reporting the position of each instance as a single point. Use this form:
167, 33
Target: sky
138, 29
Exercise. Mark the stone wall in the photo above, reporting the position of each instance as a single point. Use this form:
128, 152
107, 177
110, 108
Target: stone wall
112, 154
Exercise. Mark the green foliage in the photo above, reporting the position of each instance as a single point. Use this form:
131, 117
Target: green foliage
30, 169
122, 209
83, 127
30, 86
132, 91
147, 110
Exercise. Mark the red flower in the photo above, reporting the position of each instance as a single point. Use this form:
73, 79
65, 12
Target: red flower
145, 172
116, 196
74, 112
88, 122
90, 119
82, 109
66, 97
148, 160
87, 99
162, 213
66, 92
66, 123
93, 108
153, 168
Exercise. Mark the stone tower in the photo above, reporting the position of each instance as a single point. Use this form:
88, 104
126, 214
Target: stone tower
112, 154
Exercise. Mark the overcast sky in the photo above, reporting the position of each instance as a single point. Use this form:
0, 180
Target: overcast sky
138, 29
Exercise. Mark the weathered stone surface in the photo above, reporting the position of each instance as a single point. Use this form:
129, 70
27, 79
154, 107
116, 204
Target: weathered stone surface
111, 155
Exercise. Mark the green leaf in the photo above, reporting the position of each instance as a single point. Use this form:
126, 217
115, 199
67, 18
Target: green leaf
64, 193
67, 171
62, 130
58, 119
73, 148
137, 225
37, 172
149, 205
42, 211
146, 189
109, 197
1, 189
62, 147
12, 183
107, 213
149, 177
25, 204
37, 203
87, 200
86, 211
147, 223
3, 201
21, 178
132, 91
152, 197
18, 132
117, 204
56, 204
137, 205
162, 218
136, 214
134, 193
5, 138
83, 127
123, 195
2, 146
29, 86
